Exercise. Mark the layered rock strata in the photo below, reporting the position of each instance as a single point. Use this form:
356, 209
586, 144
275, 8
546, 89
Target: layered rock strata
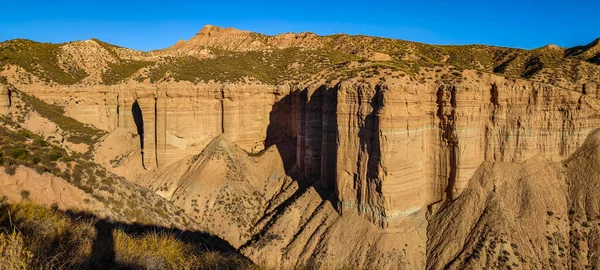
389, 149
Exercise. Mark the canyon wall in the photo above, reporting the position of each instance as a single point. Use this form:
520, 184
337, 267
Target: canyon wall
388, 147
404, 147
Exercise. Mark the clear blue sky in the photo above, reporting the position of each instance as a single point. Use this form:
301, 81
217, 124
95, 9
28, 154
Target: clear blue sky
151, 24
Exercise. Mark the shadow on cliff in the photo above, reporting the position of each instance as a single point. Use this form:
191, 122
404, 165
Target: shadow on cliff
303, 128
138, 119
368, 134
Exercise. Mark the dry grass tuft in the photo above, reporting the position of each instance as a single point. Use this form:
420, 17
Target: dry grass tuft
13, 254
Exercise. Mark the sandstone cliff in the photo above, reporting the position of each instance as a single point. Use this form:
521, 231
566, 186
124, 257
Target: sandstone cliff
296, 148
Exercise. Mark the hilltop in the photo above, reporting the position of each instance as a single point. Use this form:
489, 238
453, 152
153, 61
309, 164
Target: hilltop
231, 55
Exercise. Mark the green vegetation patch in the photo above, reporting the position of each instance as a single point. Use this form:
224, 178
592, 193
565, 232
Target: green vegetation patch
268, 67
40, 59
123, 69
120, 71
30, 151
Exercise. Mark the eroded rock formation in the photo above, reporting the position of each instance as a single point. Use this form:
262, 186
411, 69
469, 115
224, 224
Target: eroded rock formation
371, 169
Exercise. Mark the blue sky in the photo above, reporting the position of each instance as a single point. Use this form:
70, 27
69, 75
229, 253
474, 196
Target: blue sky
150, 24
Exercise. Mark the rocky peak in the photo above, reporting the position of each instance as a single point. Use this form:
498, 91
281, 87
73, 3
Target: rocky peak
241, 40
552, 47
210, 30
224, 38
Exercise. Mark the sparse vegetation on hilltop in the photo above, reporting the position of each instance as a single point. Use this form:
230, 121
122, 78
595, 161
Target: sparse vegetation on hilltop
123, 68
269, 62
268, 67
40, 59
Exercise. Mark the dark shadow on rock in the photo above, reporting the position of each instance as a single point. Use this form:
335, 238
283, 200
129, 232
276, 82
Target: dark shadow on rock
303, 128
138, 119
368, 135
593, 60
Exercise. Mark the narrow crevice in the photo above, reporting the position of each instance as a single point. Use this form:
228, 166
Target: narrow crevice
449, 139
138, 119
118, 110
9, 97
156, 131
222, 111
373, 145
494, 94
329, 138
494, 101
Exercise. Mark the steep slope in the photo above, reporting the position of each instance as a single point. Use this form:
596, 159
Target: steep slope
225, 189
510, 215
527, 215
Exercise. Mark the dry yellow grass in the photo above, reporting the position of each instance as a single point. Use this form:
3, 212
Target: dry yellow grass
37, 237
13, 254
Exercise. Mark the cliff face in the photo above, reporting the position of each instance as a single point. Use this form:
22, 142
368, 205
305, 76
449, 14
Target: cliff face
389, 149
402, 148
393, 151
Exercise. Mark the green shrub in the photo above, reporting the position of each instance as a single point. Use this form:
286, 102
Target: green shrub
54, 156
25, 133
25, 195
18, 153
10, 170
41, 143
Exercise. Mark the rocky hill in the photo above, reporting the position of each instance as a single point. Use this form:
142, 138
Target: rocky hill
336, 151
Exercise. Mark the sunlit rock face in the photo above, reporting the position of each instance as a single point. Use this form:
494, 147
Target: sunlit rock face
387, 149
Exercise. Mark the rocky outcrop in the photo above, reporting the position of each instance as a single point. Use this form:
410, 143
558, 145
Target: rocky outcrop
237, 40
5, 99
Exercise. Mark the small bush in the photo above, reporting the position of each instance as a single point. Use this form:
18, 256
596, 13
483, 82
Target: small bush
25, 195
585, 224
10, 170
25, 133
42, 143
36, 160
54, 156
18, 153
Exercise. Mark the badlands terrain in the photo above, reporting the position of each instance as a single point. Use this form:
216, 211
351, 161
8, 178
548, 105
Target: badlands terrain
306, 151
